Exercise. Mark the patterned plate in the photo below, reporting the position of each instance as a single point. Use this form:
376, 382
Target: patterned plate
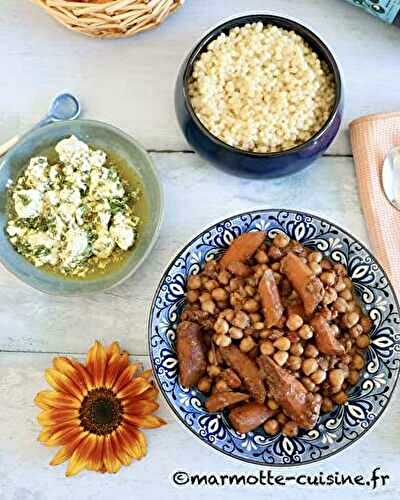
334, 431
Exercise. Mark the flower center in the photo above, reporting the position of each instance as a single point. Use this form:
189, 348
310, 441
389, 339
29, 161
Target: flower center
100, 412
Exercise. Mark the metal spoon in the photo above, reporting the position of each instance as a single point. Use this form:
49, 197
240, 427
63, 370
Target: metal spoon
64, 107
391, 177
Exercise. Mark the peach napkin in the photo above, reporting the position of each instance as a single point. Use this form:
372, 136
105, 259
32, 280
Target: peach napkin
372, 137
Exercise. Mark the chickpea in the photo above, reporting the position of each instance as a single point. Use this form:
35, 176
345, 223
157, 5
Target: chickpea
350, 319
352, 306
362, 341
296, 349
311, 351
211, 285
204, 297
315, 257
221, 326
219, 294
309, 366
235, 333
290, 429
241, 320
330, 296
223, 341
208, 306
281, 418
358, 362
340, 398
294, 363
328, 278
346, 294
204, 385
306, 332
221, 386
258, 326
224, 277
356, 331
192, 296
271, 427
251, 306
340, 285
250, 290
235, 284
264, 334
281, 240
275, 334
308, 384
247, 344
327, 405
315, 268
213, 371
294, 322
336, 377
283, 344
277, 277
281, 357
272, 405
255, 317
275, 253
318, 376
340, 305
366, 324
194, 282
326, 265
261, 257
353, 377
267, 348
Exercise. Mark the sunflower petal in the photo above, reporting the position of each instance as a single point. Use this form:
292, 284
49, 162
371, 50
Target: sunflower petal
110, 460
54, 399
147, 374
140, 407
115, 366
66, 367
150, 394
112, 350
66, 451
126, 377
81, 456
56, 415
119, 449
62, 383
84, 374
95, 461
63, 436
134, 388
96, 363
130, 442
142, 441
146, 422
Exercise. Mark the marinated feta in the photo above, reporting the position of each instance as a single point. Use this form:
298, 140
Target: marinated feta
74, 215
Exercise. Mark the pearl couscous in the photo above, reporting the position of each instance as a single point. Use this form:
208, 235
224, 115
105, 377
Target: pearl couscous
261, 89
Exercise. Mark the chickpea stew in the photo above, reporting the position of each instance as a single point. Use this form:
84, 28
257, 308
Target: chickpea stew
272, 333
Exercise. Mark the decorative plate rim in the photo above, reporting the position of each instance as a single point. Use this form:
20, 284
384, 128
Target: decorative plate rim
165, 273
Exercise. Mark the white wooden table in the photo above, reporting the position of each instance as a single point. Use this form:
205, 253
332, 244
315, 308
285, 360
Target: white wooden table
129, 83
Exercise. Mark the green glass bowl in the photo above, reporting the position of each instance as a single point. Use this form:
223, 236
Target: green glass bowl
102, 136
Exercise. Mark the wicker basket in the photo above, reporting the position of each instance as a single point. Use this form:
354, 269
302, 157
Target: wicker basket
110, 19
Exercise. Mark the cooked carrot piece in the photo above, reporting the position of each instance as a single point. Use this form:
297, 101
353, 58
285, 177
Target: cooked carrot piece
298, 404
247, 417
191, 353
270, 299
308, 286
247, 371
325, 338
242, 248
220, 400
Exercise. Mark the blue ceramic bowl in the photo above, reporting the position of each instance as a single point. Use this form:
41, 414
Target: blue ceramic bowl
334, 431
243, 163
104, 137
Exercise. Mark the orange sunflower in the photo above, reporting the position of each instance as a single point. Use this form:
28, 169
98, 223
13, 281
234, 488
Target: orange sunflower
96, 410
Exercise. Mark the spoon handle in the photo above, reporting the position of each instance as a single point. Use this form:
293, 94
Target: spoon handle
8, 145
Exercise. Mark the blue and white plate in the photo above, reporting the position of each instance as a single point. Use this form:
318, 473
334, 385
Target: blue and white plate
367, 400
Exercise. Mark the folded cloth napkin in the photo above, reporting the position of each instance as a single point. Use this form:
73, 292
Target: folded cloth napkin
372, 137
